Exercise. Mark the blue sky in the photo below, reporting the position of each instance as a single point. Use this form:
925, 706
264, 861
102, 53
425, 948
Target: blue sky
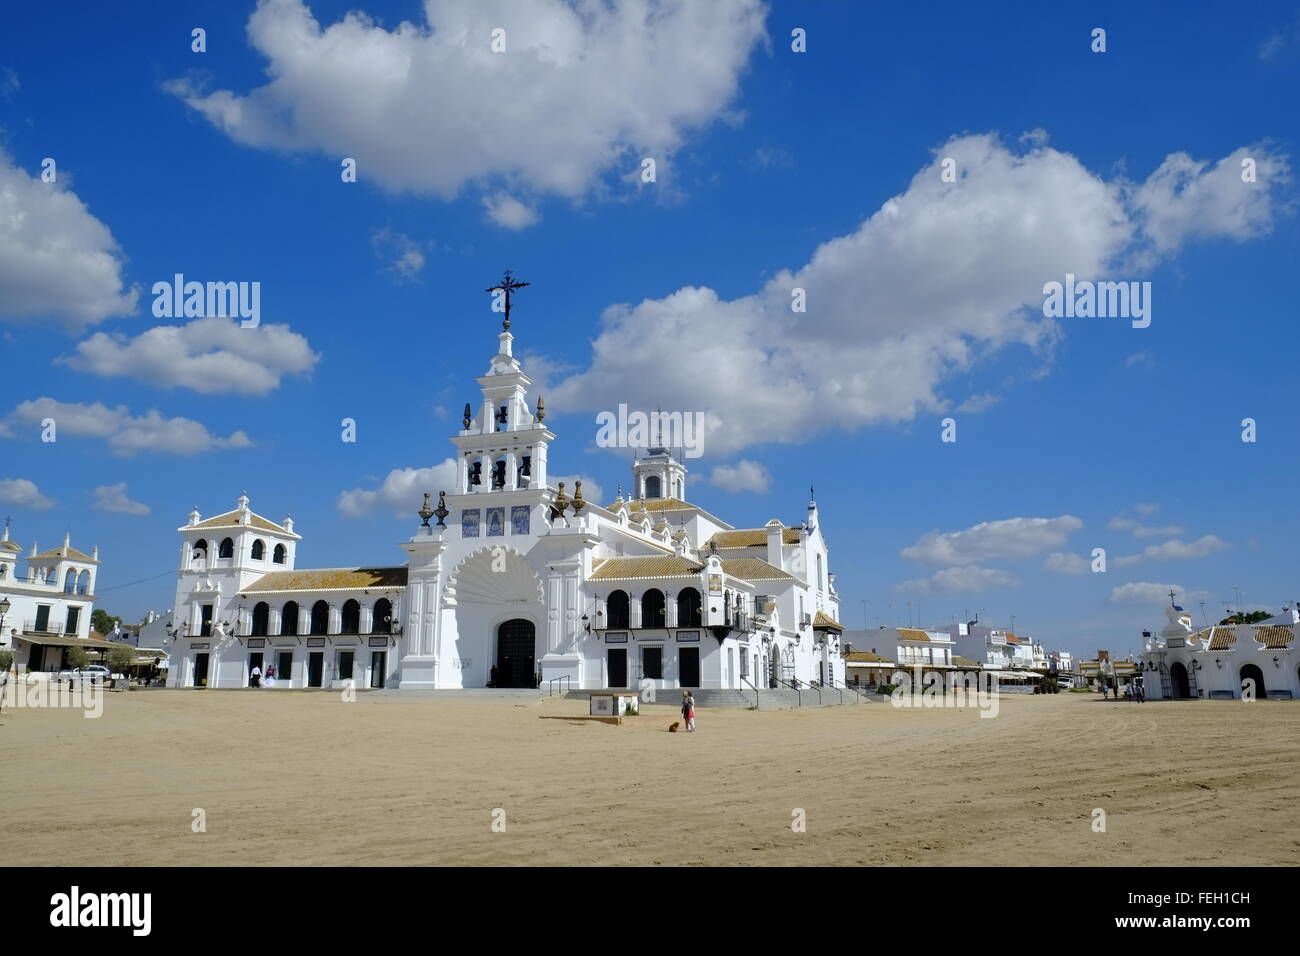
775, 169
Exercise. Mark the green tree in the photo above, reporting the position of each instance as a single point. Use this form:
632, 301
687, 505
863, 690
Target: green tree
120, 659
6, 660
78, 658
101, 620
1253, 617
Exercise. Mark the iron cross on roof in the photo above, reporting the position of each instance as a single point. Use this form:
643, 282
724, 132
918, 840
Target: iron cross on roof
507, 285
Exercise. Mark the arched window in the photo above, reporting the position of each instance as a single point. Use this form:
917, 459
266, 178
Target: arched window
261, 619
70, 581
289, 618
227, 549
689, 608
652, 608
83, 582
320, 618
277, 556
653, 487
381, 623
199, 556
351, 622
259, 549
617, 609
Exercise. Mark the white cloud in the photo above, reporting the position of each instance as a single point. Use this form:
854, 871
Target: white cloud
125, 433
114, 498
1146, 592
24, 494
1064, 563
211, 356
1139, 530
400, 251
57, 261
942, 276
1174, 551
1187, 198
744, 475
1140, 359
401, 492
430, 107
978, 403
1146, 509
1009, 538
509, 212
960, 580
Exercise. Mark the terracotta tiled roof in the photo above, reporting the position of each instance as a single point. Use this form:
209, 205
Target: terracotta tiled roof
960, 661
751, 537
753, 569
231, 520
63, 551
865, 657
912, 634
1012, 639
822, 619
329, 579
1221, 637
647, 566
1275, 635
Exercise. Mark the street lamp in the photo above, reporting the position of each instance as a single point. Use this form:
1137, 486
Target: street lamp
4, 609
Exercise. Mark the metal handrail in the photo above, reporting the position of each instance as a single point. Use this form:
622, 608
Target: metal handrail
831, 683
550, 684
752, 685
794, 687
812, 686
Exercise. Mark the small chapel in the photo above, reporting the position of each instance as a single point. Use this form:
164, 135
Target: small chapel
511, 581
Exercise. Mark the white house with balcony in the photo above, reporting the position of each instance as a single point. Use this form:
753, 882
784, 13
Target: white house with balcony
519, 582
47, 602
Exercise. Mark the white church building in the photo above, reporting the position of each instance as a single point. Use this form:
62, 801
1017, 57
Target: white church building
1226, 661
517, 584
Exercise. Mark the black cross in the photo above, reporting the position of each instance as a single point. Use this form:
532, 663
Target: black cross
507, 285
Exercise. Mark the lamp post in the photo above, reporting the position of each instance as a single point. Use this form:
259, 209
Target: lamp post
4, 610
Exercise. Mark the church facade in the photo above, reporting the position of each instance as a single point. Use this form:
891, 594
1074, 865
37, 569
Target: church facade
517, 584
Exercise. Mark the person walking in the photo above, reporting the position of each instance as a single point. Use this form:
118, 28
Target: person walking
690, 712
256, 676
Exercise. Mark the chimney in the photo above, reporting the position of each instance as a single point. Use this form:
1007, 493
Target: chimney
94, 552
67, 540
775, 532
288, 523
194, 516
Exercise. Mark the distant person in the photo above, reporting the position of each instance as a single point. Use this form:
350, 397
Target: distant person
256, 680
270, 675
690, 712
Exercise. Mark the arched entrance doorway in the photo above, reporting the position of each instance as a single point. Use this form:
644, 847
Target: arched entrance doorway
1178, 683
516, 647
1252, 672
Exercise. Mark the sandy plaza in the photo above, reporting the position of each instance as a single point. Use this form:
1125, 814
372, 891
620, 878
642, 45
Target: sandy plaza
303, 778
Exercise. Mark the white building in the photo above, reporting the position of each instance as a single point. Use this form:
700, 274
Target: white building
990, 647
50, 602
1220, 661
517, 582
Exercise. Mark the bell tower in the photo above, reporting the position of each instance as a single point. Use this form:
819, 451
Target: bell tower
502, 446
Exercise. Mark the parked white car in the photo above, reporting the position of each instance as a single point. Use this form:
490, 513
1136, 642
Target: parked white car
95, 672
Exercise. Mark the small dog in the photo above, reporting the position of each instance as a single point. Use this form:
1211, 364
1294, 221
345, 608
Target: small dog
672, 728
